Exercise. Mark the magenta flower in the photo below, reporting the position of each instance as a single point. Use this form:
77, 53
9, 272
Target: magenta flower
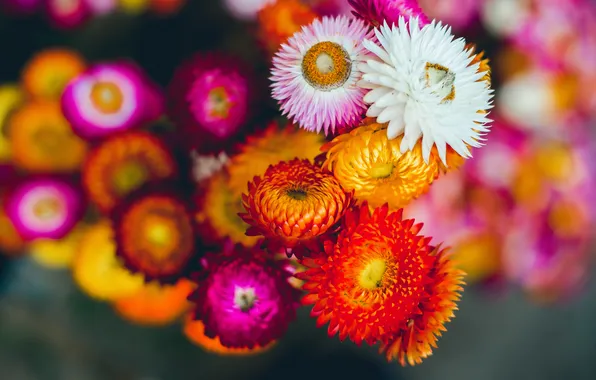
377, 12
548, 265
67, 13
458, 14
44, 208
210, 97
245, 299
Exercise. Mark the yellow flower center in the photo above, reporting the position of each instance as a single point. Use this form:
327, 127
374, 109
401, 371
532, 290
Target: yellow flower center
297, 194
129, 176
555, 161
107, 97
244, 298
326, 66
219, 102
160, 234
441, 79
48, 139
46, 208
380, 171
566, 219
372, 276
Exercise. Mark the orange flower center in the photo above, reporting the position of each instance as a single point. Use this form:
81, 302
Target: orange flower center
107, 97
441, 79
219, 103
555, 161
567, 219
158, 234
326, 66
129, 176
48, 139
46, 208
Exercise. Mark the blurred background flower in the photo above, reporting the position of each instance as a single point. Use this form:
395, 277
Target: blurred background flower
131, 129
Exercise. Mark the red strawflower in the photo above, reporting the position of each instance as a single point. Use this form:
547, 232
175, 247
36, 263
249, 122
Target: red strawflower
382, 282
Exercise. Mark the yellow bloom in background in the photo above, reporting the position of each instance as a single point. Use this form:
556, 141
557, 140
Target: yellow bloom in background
97, 270
57, 254
218, 214
50, 70
556, 161
568, 217
154, 304
133, 6
478, 255
280, 19
11, 96
366, 161
269, 147
41, 139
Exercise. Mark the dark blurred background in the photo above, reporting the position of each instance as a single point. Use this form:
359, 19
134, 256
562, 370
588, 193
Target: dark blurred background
49, 330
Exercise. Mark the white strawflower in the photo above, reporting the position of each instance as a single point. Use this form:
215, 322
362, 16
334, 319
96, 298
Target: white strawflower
424, 83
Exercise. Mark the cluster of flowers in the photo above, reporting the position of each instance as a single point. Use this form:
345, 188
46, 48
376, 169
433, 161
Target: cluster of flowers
177, 203
66, 14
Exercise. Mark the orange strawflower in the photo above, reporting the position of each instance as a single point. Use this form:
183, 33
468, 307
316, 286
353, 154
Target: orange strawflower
274, 144
49, 71
280, 19
367, 162
155, 234
293, 203
41, 139
156, 305
382, 282
122, 163
218, 212
195, 332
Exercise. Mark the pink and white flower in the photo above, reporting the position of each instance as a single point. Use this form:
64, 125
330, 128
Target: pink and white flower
108, 98
315, 74
44, 208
